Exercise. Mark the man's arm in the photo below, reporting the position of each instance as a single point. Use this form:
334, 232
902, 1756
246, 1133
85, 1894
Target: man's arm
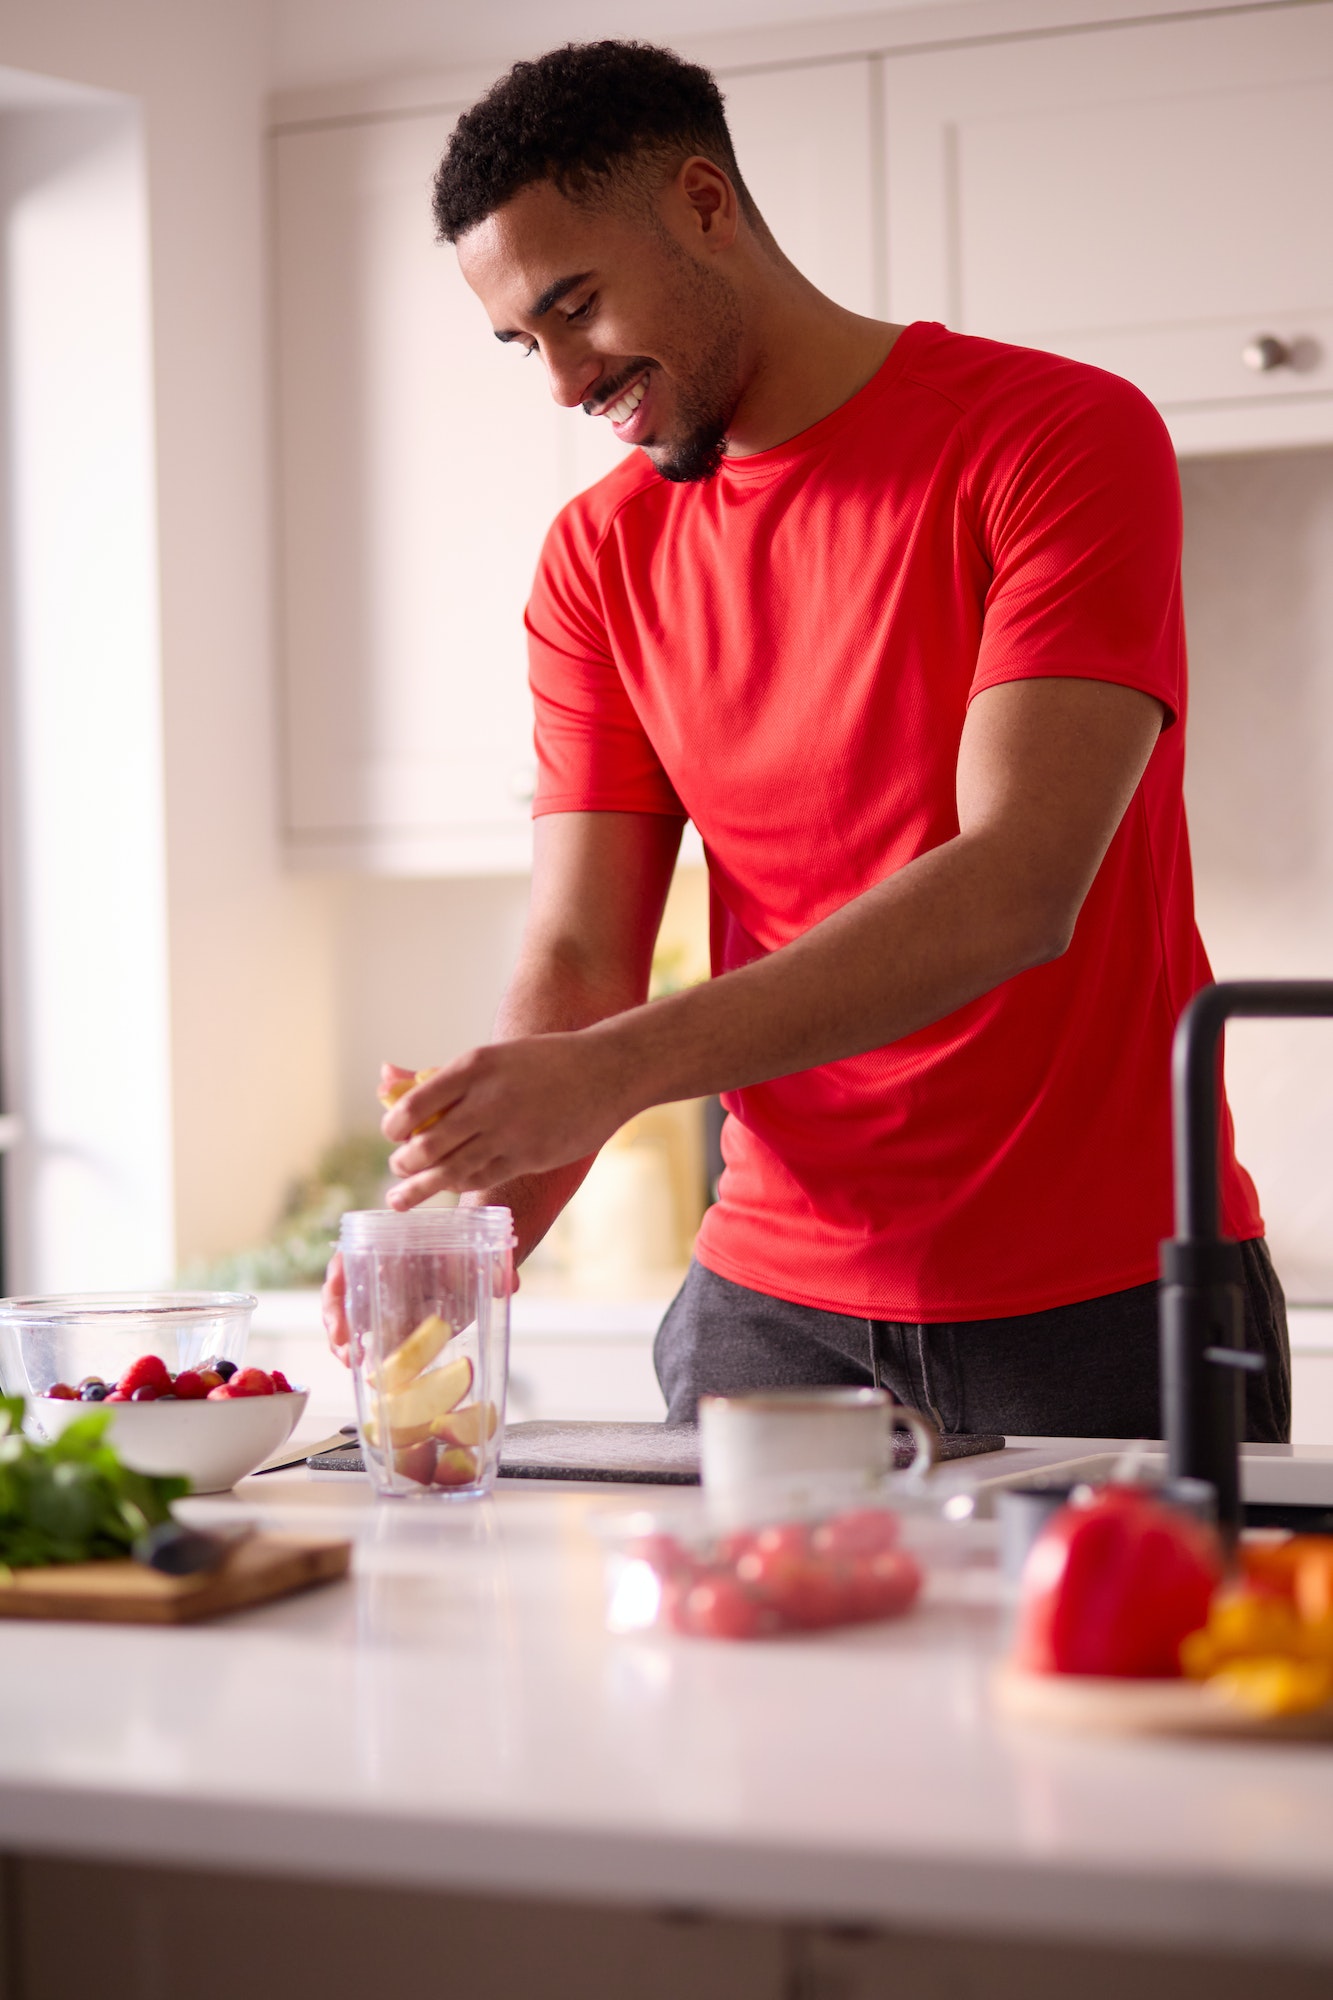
1046, 771
599, 885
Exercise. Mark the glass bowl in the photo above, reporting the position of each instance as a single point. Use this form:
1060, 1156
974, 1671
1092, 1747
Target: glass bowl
63, 1339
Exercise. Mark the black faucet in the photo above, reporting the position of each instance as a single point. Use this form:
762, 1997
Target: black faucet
1201, 1312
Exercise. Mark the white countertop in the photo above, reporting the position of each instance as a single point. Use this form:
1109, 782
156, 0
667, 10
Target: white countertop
456, 1716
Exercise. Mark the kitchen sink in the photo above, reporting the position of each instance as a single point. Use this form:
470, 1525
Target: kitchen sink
1274, 1478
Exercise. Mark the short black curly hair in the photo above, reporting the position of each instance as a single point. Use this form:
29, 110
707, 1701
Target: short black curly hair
580, 116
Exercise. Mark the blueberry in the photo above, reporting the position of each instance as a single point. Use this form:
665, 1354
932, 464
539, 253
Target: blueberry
93, 1392
226, 1369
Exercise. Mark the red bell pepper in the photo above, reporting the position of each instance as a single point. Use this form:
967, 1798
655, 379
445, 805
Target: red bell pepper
1113, 1584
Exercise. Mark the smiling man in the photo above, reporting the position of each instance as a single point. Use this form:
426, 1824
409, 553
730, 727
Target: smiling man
894, 616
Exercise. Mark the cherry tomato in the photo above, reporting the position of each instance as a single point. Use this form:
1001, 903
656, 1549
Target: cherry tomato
717, 1607
860, 1531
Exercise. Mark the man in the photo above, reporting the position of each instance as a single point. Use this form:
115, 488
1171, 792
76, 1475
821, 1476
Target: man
894, 617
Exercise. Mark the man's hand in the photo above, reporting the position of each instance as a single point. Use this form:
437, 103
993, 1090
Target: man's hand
333, 1310
511, 1108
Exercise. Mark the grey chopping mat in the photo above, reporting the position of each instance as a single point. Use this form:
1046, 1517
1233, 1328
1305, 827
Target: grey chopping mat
634, 1454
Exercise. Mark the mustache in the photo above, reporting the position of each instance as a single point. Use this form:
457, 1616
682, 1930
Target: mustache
608, 392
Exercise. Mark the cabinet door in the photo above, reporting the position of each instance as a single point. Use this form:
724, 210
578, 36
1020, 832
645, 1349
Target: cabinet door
805, 142
421, 464
1152, 199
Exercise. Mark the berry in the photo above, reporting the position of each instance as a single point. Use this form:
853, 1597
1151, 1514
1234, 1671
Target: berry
226, 1369
61, 1392
281, 1386
117, 1396
86, 1381
94, 1392
222, 1394
147, 1392
148, 1368
190, 1386
210, 1379
250, 1382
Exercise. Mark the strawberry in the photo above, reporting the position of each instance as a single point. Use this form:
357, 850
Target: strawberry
281, 1386
251, 1382
222, 1394
190, 1386
148, 1369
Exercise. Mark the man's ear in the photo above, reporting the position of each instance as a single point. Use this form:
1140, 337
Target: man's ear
704, 205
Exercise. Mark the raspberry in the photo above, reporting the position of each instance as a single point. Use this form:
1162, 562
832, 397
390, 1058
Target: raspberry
148, 1369
190, 1386
281, 1386
251, 1382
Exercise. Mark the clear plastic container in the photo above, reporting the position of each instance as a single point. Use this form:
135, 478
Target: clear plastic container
428, 1308
65, 1338
845, 1557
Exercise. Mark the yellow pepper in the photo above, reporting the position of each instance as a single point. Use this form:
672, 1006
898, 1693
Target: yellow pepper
1273, 1685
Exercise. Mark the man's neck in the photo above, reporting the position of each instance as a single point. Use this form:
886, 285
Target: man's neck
808, 357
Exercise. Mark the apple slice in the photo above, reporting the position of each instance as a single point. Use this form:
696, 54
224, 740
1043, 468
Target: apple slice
389, 1094
470, 1424
413, 1410
414, 1356
454, 1467
417, 1461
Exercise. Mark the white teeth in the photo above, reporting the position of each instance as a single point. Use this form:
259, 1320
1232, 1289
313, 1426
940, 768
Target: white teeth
628, 403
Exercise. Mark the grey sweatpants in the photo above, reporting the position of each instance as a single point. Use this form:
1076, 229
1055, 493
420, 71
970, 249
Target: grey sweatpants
1084, 1370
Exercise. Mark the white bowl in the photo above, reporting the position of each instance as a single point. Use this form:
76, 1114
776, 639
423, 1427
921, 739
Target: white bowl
213, 1444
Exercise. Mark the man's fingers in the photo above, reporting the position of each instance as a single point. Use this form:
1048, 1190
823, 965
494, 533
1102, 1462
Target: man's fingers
333, 1308
479, 1169
437, 1146
421, 1106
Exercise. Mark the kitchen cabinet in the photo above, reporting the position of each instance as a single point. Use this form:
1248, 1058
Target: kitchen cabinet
1152, 198
420, 464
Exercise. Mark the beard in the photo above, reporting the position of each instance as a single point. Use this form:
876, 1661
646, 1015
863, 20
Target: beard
710, 389
706, 320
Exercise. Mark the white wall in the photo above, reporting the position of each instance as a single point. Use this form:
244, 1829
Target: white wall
320, 42
252, 1065
86, 1004
1259, 607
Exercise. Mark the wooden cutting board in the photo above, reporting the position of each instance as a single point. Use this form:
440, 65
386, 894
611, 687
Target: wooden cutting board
1143, 1708
128, 1593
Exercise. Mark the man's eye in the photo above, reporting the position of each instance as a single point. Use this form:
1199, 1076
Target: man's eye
581, 312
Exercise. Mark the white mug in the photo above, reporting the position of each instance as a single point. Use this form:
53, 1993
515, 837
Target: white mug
783, 1440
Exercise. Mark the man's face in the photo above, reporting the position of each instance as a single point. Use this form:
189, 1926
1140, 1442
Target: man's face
631, 321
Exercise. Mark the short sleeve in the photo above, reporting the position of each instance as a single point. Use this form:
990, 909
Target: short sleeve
1075, 501
593, 754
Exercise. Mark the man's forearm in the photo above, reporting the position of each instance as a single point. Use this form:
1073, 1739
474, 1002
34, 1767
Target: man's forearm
906, 953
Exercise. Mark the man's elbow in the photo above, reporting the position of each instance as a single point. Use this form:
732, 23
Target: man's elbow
1048, 930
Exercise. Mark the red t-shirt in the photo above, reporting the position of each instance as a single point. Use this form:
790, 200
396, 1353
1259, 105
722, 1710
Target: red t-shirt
786, 655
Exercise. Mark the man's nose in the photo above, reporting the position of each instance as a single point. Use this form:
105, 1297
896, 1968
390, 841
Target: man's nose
572, 377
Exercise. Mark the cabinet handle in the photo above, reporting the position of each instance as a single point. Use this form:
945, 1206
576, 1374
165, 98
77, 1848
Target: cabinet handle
1265, 353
